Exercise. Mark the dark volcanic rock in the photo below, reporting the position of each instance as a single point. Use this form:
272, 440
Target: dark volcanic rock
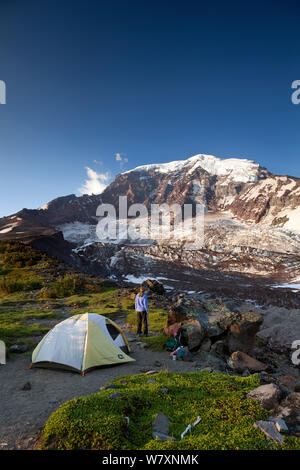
241, 361
18, 348
154, 286
192, 335
185, 310
241, 330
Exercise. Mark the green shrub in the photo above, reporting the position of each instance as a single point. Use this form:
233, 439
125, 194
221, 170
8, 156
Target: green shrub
19, 255
8, 286
227, 416
64, 286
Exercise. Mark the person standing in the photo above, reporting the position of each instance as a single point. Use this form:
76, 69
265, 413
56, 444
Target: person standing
142, 310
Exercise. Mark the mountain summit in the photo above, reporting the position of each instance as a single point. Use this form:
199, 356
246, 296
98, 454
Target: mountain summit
235, 169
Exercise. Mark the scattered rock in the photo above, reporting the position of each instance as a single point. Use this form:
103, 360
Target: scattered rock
269, 429
161, 424
289, 407
267, 395
266, 378
240, 361
165, 390
18, 348
150, 372
151, 381
157, 364
107, 387
27, 386
115, 395
287, 384
143, 345
281, 425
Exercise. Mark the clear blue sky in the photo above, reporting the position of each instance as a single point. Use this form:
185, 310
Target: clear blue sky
154, 81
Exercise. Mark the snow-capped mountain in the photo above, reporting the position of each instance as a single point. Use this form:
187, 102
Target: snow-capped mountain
205, 178
251, 225
235, 169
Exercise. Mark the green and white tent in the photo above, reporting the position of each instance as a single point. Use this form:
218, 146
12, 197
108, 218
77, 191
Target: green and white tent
82, 342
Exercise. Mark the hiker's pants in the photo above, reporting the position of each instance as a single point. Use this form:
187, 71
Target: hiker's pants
142, 320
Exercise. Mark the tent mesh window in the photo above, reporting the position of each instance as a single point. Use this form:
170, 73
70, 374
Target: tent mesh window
112, 330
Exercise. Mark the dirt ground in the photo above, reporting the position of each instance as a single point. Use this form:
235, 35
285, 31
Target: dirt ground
25, 412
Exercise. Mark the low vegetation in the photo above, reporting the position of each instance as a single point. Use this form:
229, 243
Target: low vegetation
37, 291
227, 416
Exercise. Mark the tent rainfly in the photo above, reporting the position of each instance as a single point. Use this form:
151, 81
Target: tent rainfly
82, 342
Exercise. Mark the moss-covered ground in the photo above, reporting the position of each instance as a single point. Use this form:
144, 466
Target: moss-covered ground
227, 415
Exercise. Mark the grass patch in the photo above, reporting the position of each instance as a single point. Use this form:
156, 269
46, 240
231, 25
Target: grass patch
98, 422
8, 286
156, 343
64, 286
22, 324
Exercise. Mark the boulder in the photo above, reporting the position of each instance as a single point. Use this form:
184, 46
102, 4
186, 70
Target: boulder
161, 424
18, 348
219, 348
188, 356
267, 395
240, 362
205, 345
182, 311
115, 395
212, 329
241, 330
192, 335
270, 430
27, 386
154, 286
107, 387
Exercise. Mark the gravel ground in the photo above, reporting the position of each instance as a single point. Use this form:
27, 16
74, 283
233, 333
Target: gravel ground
25, 412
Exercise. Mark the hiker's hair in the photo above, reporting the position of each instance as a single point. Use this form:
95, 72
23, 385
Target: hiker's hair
141, 291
